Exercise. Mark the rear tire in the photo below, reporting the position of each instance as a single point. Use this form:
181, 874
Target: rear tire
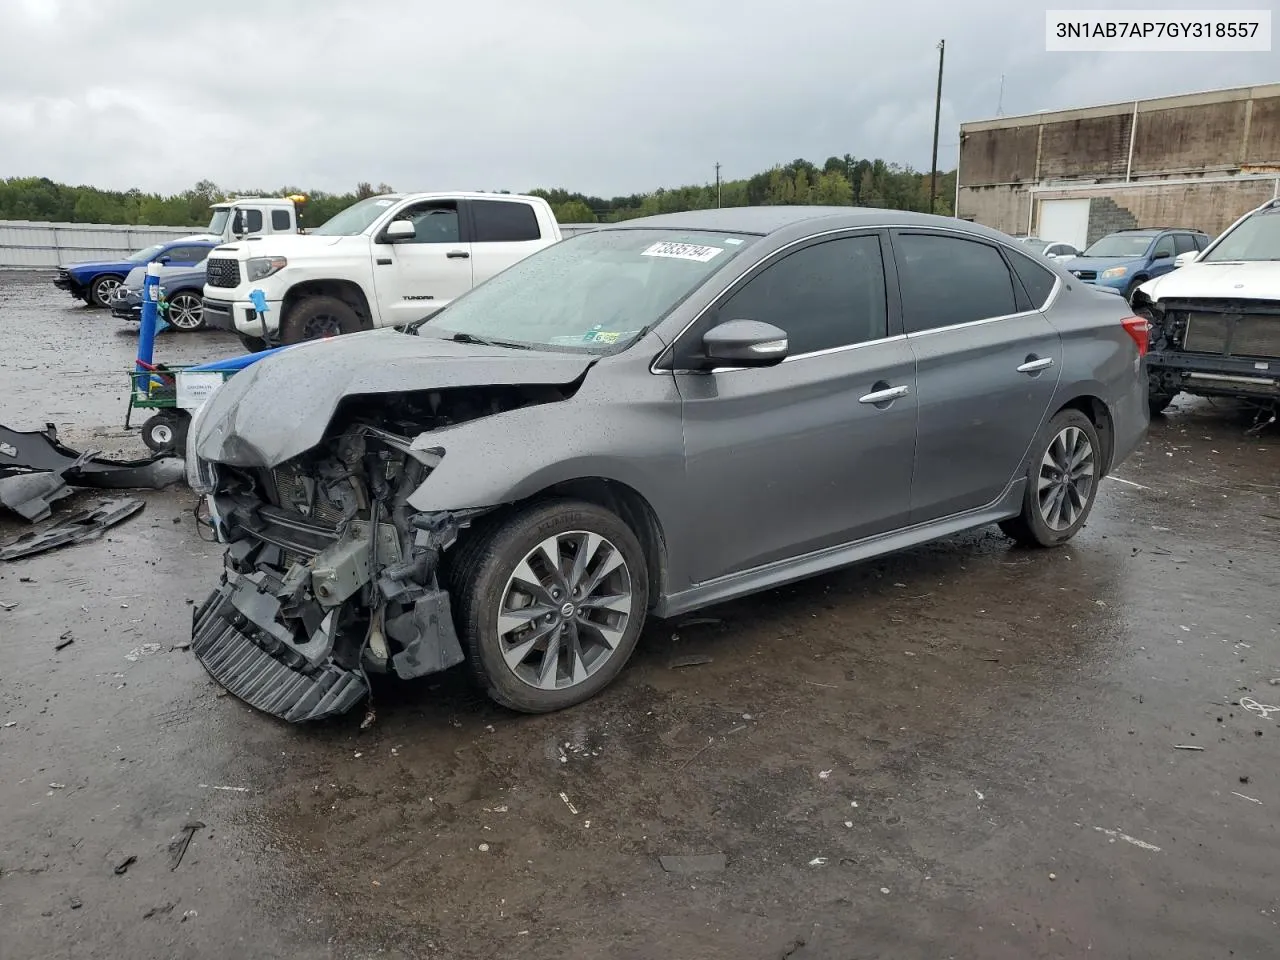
101, 289
575, 644
1062, 482
318, 317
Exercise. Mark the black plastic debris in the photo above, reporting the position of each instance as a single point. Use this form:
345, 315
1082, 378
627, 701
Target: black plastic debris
32, 495
125, 864
178, 846
87, 524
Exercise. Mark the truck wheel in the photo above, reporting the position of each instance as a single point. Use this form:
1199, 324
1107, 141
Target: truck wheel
318, 317
549, 604
1062, 483
101, 289
166, 432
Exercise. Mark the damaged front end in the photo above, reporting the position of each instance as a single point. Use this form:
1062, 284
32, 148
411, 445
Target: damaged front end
329, 573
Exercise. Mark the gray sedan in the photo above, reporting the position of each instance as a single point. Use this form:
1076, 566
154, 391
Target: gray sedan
182, 288
643, 420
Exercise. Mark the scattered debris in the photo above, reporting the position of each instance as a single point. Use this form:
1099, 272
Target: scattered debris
884, 890
233, 789
157, 911
980, 794
1261, 709
40, 451
691, 661
817, 861
1117, 835
483, 848
1243, 797
1053, 876
698, 621
369, 718
824, 774
1274, 681
178, 845
146, 650
568, 803
189, 915
78, 527
76, 903
124, 865
11, 723
64, 641
57, 786
10, 606
698, 863
181, 645
1187, 746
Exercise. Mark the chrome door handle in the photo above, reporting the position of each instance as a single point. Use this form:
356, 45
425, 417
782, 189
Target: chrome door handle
883, 396
1034, 366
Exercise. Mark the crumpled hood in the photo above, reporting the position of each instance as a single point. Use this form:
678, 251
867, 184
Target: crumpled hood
281, 406
1255, 280
1101, 263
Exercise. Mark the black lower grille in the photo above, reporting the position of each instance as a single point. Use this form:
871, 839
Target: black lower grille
1087, 274
259, 679
1233, 334
222, 272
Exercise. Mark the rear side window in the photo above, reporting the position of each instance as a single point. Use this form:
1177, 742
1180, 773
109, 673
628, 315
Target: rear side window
828, 295
504, 221
1035, 279
1201, 241
950, 280
1183, 242
280, 221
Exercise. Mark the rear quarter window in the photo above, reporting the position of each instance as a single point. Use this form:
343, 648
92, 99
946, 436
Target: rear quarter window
504, 221
1035, 279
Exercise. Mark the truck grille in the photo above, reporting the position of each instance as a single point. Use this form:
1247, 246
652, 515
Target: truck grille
222, 272
1233, 334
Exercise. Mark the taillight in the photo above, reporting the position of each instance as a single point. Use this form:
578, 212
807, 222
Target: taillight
1140, 330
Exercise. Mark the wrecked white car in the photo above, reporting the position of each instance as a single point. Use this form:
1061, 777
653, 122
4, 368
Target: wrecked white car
613, 427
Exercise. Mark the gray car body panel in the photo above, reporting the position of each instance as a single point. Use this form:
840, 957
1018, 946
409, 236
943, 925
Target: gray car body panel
669, 434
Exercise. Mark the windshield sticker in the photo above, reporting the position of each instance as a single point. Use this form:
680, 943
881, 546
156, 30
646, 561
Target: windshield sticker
732, 241
383, 203
594, 336
682, 251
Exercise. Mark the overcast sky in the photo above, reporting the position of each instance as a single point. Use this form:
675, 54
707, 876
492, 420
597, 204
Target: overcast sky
602, 96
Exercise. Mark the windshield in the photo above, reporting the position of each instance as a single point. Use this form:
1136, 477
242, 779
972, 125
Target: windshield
356, 218
1257, 238
219, 221
145, 255
596, 292
1120, 245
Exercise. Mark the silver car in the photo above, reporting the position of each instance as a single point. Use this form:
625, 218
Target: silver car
642, 420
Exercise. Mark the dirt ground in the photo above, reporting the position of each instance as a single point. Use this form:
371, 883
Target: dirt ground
966, 751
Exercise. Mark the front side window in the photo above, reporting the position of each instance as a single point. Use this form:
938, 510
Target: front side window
950, 280
828, 295
595, 293
433, 222
1164, 246
1256, 238
147, 254
504, 221
1120, 245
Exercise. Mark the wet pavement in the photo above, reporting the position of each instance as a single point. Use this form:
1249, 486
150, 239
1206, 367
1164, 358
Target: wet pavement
968, 750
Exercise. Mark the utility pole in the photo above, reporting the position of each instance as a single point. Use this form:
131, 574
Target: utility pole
717, 183
1000, 102
937, 119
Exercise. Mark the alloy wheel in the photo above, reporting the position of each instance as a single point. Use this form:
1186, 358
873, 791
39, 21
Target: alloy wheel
186, 312
564, 610
1067, 478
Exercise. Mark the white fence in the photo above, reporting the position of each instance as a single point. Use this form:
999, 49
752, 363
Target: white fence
35, 245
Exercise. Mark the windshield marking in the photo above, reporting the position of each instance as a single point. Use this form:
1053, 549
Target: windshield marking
682, 251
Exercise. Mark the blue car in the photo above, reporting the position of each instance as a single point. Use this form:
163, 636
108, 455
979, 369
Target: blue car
95, 281
1128, 258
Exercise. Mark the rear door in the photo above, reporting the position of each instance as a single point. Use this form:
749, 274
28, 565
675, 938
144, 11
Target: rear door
504, 232
987, 365
786, 460
413, 277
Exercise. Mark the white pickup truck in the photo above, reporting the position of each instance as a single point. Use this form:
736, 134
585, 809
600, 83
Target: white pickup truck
384, 261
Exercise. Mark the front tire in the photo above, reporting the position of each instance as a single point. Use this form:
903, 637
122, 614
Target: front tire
1062, 483
550, 604
101, 289
318, 317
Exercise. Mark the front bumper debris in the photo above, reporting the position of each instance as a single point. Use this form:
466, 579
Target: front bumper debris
87, 524
222, 640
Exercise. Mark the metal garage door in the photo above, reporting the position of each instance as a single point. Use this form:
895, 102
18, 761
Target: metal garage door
1065, 220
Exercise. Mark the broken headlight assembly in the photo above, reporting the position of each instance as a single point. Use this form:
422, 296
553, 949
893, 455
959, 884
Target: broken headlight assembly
202, 477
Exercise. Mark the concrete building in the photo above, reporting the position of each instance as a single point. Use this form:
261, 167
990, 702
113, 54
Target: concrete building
1199, 160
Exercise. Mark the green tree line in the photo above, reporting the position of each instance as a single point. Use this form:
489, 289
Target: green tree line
840, 181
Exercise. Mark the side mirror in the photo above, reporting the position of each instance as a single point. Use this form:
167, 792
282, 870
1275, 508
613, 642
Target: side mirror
165, 259
1182, 259
1160, 255
745, 343
399, 230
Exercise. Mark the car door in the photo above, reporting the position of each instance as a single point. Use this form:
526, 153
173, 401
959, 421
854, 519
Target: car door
987, 366
1162, 255
503, 233
785, 460
416, 275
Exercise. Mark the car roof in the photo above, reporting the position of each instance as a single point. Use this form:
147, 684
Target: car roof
763, 221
